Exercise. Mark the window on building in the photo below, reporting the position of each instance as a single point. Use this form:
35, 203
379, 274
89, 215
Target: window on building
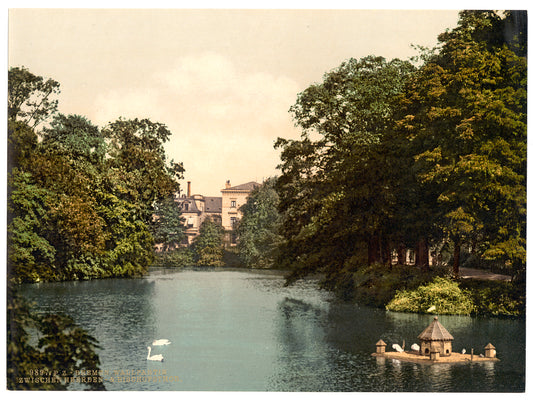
233, 203
233, 221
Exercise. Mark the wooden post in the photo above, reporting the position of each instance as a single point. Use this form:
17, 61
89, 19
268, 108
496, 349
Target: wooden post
403, 345
471, 354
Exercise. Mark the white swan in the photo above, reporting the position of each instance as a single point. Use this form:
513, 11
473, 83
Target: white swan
415, 347
155, 358
162, 341
463, 351
397, 348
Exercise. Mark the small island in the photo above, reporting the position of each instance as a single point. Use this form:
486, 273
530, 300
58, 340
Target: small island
454, 357
435, 347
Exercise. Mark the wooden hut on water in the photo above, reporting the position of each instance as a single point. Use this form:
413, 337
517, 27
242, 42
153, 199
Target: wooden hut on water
435, 338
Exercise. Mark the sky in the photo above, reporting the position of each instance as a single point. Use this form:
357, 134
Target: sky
221, 80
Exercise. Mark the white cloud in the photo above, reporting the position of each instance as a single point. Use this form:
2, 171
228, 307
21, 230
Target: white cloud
224, 122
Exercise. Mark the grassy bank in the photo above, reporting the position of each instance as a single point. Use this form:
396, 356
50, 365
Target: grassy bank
410, 289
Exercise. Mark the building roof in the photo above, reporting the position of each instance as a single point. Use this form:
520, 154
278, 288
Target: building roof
435, 331
192, 205
213, 204
249, 186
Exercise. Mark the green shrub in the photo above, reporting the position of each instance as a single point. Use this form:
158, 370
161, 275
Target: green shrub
496, 298
442, 296
376, 285
181, 257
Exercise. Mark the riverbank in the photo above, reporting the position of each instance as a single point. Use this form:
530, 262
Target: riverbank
410, 289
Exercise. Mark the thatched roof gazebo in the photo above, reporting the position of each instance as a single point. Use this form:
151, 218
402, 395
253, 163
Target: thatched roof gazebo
435, 338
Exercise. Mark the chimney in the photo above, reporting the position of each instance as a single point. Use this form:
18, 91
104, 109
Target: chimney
188, 189
228, 185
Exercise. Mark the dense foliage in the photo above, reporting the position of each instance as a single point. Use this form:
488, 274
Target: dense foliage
441, 296
62, 349
80, 206
463, 126
167, 225
180, 257
258, 229
335, 190
81, 200
208, 246
394, 157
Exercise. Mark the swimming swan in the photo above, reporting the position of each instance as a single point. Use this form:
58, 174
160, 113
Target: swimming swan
163, 341
155, 358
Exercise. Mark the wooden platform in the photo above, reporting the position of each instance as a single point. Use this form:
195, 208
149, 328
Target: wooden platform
411, 356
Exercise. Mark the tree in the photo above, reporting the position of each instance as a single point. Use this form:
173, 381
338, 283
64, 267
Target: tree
21, 144
258, 228
30, 255
465, 122
335, 191
138, 163
30, 97
76, 138
167, 224
80, 199
208, 245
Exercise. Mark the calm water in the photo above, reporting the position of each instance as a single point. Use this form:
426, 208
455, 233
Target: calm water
242, 330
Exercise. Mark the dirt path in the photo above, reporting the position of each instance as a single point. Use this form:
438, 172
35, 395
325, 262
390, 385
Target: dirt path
482, 274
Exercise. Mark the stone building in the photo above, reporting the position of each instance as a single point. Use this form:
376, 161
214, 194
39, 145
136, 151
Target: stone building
232, 199
195, 209
435, 338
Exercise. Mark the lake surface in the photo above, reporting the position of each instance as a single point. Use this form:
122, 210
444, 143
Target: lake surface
242, 330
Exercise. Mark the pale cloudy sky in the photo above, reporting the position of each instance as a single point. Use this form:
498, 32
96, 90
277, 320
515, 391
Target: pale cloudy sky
221, 80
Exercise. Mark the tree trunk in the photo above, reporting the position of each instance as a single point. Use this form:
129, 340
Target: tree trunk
402, 254
422, 254
456, 258
373, 249
386, 255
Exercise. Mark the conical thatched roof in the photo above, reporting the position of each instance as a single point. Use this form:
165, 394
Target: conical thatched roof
435, 331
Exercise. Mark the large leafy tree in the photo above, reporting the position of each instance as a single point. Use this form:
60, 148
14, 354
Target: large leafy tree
167, 223
138, 163
81, 199
465, 124
208, 245
75, 137
30, 255
258, 228
68, 163
31, 98
336, 192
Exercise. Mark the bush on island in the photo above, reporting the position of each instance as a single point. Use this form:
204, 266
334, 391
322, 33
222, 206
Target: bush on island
441, 296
